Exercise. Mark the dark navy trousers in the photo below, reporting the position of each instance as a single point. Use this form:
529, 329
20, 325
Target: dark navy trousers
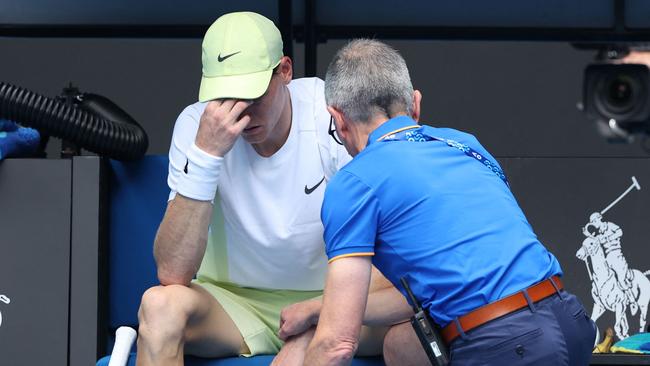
555, 331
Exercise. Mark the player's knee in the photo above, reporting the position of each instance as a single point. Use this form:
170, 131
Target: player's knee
162, 307
398, 341
390, 348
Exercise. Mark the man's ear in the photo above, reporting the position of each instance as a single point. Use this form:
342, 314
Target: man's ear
342, 126
417, 98
285, 69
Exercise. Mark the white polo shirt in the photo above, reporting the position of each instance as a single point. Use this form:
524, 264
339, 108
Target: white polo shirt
266, 230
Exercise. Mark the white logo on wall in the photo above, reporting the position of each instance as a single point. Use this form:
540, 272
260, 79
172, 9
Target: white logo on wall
614, 286
6, 300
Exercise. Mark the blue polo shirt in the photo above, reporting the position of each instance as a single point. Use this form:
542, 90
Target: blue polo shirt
440, 218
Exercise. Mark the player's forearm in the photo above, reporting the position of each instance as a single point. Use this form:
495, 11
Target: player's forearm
181, 240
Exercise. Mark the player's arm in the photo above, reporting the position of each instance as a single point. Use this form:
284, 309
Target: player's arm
344, 300
182, 236
181, 240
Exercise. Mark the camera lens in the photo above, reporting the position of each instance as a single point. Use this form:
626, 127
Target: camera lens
618, 95
620, 92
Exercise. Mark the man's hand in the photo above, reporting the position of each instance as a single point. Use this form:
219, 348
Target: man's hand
220, 125
297, 318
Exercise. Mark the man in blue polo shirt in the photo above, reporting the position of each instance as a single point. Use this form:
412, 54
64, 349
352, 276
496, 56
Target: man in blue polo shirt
433, 206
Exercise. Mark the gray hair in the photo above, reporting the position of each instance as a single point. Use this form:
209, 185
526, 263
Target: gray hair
367, 77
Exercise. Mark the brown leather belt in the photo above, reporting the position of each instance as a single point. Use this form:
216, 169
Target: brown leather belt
501, 307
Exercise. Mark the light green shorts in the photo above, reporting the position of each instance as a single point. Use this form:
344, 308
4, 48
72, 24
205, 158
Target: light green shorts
256, 312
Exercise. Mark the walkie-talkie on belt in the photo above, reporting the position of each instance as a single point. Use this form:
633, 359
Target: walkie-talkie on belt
427, 332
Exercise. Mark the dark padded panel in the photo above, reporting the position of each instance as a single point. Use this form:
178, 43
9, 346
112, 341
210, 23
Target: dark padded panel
35, 207
469, 13
138, 198
637, 13
124, 12
87, 255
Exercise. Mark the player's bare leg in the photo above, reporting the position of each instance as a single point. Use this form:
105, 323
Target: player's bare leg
293, 350
176, 319
402, 347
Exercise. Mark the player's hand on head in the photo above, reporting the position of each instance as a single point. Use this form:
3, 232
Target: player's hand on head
221, 123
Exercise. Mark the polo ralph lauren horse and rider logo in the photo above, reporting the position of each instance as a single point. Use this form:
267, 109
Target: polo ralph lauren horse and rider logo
310, 190
222, 59
614, 286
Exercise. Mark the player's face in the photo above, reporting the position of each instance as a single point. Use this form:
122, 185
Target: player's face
268, 123
265, 112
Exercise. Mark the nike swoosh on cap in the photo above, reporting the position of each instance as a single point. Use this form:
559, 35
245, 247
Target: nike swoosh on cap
221, 59
309, 190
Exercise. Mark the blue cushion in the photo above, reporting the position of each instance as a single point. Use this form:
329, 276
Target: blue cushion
245, 361
138, 198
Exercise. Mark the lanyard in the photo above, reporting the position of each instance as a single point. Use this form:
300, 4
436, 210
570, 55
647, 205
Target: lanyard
416, 134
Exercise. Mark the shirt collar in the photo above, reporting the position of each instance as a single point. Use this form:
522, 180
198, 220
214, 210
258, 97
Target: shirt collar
389, 126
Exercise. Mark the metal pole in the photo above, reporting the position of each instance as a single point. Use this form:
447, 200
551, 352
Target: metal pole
310, 38
285, 18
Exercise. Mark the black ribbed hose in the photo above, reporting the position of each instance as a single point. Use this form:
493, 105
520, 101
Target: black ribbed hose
115, 139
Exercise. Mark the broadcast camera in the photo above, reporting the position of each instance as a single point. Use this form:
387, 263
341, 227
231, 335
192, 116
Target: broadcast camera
616, 94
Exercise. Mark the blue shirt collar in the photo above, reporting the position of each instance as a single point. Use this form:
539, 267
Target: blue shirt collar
389, 126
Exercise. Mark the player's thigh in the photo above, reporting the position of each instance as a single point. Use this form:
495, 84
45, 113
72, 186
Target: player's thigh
402, 347
371, 340
210, 331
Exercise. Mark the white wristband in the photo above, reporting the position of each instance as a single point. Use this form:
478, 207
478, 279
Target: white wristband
200, 175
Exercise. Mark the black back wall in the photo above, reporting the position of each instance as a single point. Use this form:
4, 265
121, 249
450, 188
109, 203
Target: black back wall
518, 98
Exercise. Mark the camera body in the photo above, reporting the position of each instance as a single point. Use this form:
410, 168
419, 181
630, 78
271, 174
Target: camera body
617, 97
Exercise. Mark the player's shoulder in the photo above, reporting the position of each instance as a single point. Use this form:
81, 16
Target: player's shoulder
187, 122
307, 88
194, 109
190, 116
308, 101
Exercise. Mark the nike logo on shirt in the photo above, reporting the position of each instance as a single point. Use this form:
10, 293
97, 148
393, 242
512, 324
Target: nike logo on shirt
310, 190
